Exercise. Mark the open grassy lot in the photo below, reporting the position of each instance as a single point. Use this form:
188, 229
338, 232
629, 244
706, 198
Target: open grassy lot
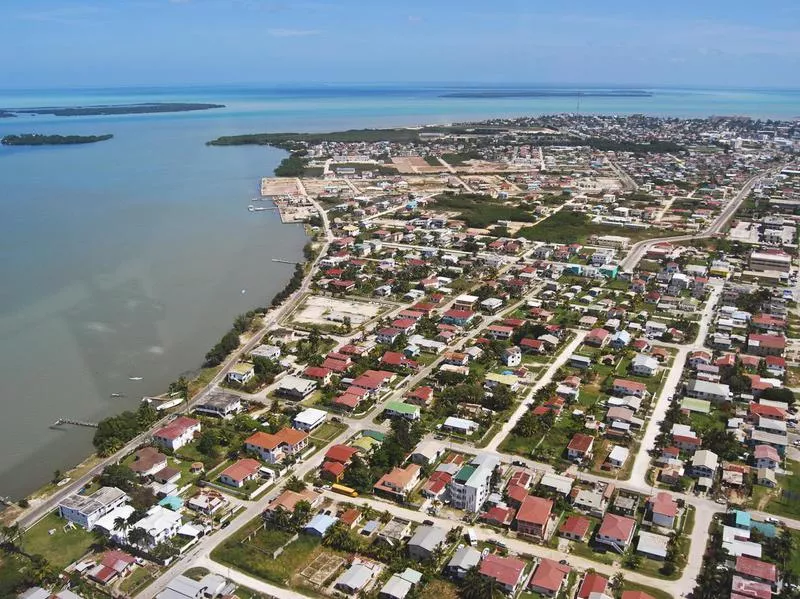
786, 501
61, 548
566, 226
255, 556
438, 589
328, 431
139, 579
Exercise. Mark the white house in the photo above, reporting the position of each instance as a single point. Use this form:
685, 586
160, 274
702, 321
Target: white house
177, 433
241, 373
644, 365
309, 419
86, 510
512, 356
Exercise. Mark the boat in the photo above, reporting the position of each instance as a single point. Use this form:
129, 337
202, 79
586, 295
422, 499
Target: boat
134, 378
251, 208
116, 395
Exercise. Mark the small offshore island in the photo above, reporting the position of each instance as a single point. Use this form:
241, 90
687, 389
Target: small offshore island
37, 139
104, 110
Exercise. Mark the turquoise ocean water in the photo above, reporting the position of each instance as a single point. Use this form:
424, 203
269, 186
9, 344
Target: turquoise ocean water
128, 258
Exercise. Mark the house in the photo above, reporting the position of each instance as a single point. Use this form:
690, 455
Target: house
663, 509
704, 463
241, 373
575, 528
618, 456
556, 482
148, 461
507, 572
295, 387
460, 425
425, 542
182, 587
616, 532
512, 356
498, 331
499, 515
592, 583
766, 456
309, 419
207, 501
580, 446
578, 361
471, 485
395, 409
399, 482
355, 578
644, 365
160, 523
765, 344
461, 318
463, 560
755, 569
421, 396
620, 339
652, 545
341, 454
288, 500
221, 405
177, 433
623, 387
597, 337
319, 374
332, 471
400, 585
86, 510
113, 564
742, 588
398, 361
534, 515
715, 392
273, 448
270, 352
549, 578
238, 474
766, 478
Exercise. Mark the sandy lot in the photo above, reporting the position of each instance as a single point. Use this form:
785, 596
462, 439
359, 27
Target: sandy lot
327, 310
415, 164
271, 186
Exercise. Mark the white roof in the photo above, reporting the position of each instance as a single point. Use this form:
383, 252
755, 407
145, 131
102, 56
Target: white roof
296, 383
652, 544
619, 453
310, 416
158, 519
562, 484
460, 423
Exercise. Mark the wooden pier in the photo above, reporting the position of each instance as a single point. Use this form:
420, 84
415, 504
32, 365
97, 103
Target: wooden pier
62, 421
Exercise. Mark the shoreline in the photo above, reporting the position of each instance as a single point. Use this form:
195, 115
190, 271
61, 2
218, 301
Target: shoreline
12, 509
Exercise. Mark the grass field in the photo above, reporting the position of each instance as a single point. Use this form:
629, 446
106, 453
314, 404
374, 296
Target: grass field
783, 505
61, 548
328, 431
255, 557
566, 226
438, 589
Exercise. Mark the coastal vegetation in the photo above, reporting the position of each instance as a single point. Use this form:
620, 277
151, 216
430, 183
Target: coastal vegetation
229, 341
289, 140
154, 107
551, 93
37, 139
113, 432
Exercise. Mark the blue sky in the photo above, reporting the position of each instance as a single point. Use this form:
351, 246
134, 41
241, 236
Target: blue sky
52, 43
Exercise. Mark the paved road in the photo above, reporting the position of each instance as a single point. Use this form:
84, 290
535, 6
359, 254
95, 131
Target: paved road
639, 249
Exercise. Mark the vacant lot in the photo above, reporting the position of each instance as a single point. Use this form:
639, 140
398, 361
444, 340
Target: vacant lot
61, 548
327, 310
566, 226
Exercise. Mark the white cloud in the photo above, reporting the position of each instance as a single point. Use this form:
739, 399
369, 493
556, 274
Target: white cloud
291, 32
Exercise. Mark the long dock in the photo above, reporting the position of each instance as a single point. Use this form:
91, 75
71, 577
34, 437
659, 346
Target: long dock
61, 421
282, 261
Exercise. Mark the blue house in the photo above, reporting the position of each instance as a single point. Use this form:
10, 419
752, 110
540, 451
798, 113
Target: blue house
319, 525
620, 339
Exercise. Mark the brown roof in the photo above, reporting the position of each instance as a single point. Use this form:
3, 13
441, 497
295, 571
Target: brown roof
288, 499
241, 469
285, 436
147, 458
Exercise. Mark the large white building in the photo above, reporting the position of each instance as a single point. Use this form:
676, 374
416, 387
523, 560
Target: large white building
778, 260
86, 510
470, 487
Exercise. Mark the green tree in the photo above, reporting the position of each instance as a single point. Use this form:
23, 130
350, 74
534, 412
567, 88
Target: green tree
118, 475
295, 484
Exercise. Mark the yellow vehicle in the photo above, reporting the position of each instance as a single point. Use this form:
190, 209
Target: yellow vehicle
350, 492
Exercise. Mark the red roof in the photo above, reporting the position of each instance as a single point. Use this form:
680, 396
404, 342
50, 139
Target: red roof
598, 334
336, 469
580, 442
242, 469
535, 510
549, 575
629, 385
750, 588
176, 428
505, 570
347, 400
755, 568
316, 372
340, 453
335, 365
516, 493
592, 583
617, 527
503, 516
576, 526
773, 341
766, 452
767, 410
663, 503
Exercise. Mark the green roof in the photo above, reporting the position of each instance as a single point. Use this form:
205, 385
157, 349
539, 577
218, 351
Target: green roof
696, 405
377, 435
464, 474
401, 408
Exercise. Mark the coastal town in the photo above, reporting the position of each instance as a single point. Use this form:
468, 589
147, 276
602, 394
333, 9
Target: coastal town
537, 357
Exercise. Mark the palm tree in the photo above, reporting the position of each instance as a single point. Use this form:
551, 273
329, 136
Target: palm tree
121, 524
477, 586
617, 582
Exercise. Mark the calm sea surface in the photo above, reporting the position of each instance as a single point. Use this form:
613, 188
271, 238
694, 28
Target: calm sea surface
128, 258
